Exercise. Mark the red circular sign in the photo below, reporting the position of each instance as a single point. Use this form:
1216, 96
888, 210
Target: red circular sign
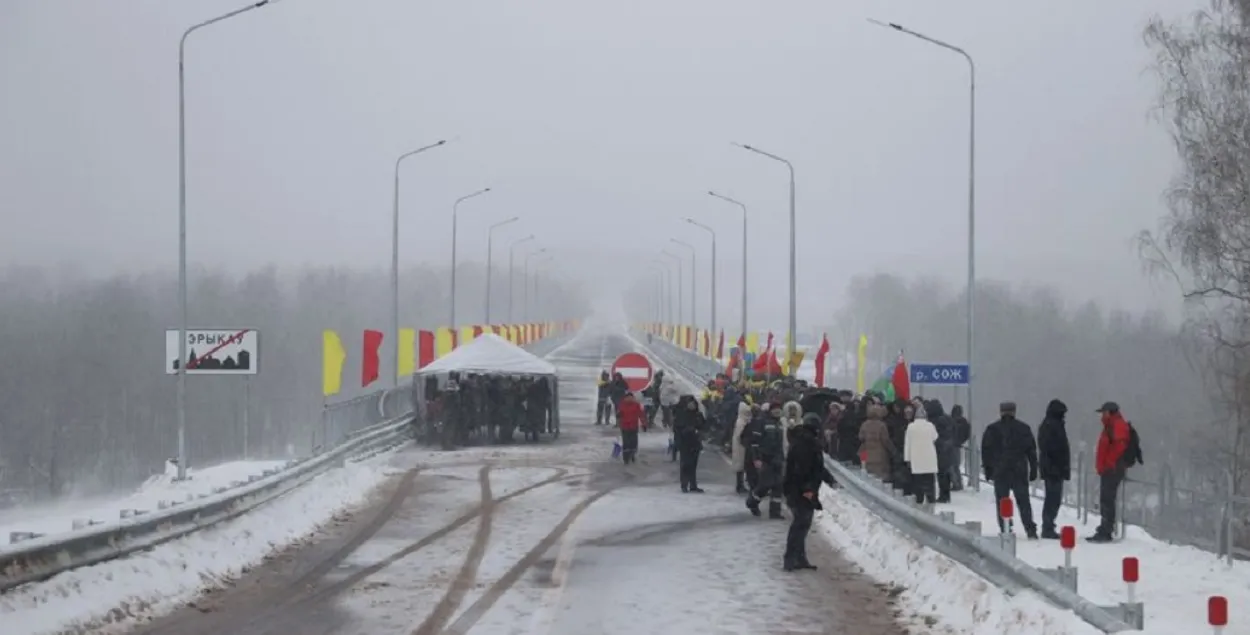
635, 368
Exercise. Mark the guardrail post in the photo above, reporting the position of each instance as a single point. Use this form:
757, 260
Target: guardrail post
973, 527
1217, 613
1006, 537
1066, 574
1131, 611
947, 517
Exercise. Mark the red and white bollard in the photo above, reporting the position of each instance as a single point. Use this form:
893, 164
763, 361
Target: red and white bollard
1217, 613
1130, 572
1067, 540
1006, 538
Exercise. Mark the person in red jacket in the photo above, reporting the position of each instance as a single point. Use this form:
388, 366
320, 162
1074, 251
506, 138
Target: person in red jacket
629, 417
1111, 466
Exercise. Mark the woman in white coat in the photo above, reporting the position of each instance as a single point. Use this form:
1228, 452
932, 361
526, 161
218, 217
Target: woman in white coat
738, 455
920, 453
668, 398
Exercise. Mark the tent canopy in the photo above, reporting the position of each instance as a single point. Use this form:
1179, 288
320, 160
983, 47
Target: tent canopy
489, 353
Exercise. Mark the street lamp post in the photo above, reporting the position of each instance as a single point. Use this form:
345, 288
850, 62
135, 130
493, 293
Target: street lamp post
666, 273
972, 181
511, 268
395, 251
744, 255
713, 233
793, 327
455, 215
525, 281
681, 318
538, 300
694, 268
490, 251
182, 229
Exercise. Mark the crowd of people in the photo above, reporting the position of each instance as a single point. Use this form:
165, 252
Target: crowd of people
485, 408
915, 445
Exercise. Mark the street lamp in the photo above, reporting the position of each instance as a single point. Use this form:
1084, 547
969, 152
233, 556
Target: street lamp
694, 268
455, 215
972, 179
793, 328
744, 255
182, 229
538, 301
713, 233
525, 280
511, 277
657, 293
665, 268
395, 251
490, 250
680, 316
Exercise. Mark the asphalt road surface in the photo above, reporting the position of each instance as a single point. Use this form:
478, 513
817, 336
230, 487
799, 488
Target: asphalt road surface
553, 537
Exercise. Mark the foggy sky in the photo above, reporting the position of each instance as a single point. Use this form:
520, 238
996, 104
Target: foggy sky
601, 125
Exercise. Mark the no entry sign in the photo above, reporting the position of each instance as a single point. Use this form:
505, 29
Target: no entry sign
635, 368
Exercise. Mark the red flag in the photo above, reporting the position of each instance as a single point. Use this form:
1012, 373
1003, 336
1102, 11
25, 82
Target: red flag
720, 346
369, 362
425, 348
742, 342
902, 385
477, 331
769, 345
821, 354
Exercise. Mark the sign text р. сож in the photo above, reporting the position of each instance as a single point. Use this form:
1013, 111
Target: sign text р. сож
940, 374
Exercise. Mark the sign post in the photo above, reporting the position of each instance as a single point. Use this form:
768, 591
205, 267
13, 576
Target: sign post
635, 368
215, 352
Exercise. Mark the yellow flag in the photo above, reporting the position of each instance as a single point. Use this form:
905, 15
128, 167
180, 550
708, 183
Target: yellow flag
407, 362
753, 343
444, 341
863, 357
793, 361
466, 335
332, 358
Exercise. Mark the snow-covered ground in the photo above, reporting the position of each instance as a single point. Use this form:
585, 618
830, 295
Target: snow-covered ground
1175, 580
60, 517
157, 581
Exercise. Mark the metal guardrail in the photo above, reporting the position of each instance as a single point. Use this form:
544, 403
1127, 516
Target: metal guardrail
965, 545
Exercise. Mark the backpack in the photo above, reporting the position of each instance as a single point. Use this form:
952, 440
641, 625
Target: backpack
1133, 454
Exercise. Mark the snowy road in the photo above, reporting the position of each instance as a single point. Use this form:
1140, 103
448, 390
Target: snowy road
553, 538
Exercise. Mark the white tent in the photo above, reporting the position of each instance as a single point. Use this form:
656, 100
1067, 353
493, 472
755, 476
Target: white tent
490, 353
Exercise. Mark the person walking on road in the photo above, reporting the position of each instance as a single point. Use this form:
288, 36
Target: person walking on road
1009, 458
629, 417
767, 442
1111, 461
688, 427
921, 456
1054, 457
602, 407
804, 472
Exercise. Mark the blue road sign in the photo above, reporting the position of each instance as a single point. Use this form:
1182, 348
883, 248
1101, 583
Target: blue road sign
941, 374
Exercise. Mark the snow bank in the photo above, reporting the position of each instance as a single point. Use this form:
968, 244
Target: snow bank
1175, 580
943, 596
161, 580
59, 518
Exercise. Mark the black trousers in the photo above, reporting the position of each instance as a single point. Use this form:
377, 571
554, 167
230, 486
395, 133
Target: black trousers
689, 467
922, 486
752, 474
1017, 488
1108, 492
603, 410
944, 485
1051, 502
801, 512
629, 446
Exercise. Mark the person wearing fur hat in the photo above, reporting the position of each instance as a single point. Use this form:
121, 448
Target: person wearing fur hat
767, 441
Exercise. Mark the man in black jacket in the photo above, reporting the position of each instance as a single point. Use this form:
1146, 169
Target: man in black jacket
688, 426
765, 443
805, 470
946, 448
602, 409
1009, 458
1055, 458
963, 433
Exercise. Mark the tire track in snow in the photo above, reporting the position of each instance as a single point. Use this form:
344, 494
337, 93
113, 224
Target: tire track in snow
466, 578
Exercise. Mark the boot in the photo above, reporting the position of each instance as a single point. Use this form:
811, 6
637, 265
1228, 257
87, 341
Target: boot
740, 488
774, 510
1049, 533
753, 504
694, 487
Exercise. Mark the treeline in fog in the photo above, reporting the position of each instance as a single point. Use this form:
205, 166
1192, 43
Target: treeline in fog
1031, 348
86, 406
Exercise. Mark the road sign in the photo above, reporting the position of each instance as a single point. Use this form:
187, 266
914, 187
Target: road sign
215, 352
940, 374
635, 368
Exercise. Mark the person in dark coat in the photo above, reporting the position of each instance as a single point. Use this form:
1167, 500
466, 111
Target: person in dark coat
617, 390
767, 442
963, 434
1054, 457
848, 431
1009, 458
602, 409
804, 472
896, 420
688, 427
946, 448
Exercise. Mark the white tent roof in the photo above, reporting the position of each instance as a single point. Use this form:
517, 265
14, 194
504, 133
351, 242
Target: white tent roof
490, 353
